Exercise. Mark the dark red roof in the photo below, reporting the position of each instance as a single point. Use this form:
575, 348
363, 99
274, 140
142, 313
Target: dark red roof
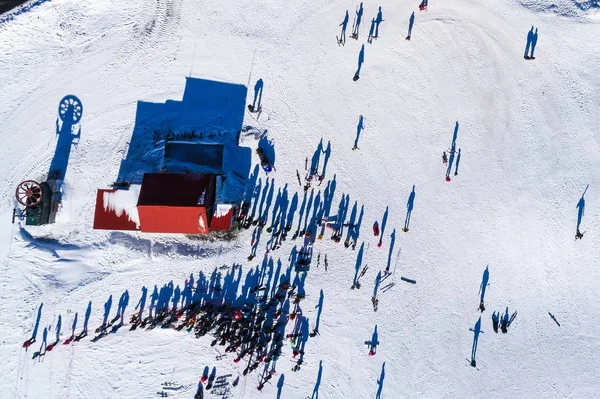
177, 189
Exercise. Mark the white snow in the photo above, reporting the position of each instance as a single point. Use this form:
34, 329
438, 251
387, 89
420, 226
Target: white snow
121, 201
529, 139
222, 210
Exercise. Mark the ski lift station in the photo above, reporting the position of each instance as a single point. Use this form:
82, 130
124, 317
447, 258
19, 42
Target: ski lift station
184, 171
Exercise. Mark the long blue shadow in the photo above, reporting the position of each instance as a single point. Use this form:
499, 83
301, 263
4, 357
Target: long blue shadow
74, 325
258, 90
319, 310
357, 21
359, 258
581, 208
361, 60
58, 328
107, 306
37, 322
344, 25
359, 129
457, 163
378, 21
86, 320
315, 394
484, 283
380, 382
392, 242
280, 383
383, 223
371, 31
409, 208
476, 331
411, 22
70, 111
528, 45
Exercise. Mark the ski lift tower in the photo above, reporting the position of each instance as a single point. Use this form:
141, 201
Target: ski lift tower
37, 200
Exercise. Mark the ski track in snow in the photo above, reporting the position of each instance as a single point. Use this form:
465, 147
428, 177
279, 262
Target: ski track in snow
529, 141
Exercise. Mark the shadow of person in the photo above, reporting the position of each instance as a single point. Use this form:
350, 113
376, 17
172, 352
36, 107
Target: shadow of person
533, 43
528, 45
378, 20
315, 394
355, 28
411, 22
373, 342
380, 382
359, 129
344, 25
581, 208
258, 89
409, 208
476, 331
280, 386
484, 283
457, 162
361, 59
371, 31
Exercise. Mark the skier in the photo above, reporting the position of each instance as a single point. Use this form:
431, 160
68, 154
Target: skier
578, 235
375, 229
423, 5
444, 158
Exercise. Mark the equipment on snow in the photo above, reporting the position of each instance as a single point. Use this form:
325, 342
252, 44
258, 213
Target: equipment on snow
264, 161
387, 287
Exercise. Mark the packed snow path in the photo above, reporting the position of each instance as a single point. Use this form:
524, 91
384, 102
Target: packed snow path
527, 131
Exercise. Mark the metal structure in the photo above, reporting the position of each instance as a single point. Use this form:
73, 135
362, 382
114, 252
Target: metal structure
37, 200
29, 193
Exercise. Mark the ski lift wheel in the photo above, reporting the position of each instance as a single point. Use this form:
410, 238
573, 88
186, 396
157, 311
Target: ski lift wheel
29, 193
70, 107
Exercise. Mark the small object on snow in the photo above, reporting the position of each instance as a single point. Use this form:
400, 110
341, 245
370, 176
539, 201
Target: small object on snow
554, 318
408, 280
264, 161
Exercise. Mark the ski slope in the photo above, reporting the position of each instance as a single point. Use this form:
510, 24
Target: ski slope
528, 134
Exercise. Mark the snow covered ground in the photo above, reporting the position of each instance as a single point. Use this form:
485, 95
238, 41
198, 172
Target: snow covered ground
528, 134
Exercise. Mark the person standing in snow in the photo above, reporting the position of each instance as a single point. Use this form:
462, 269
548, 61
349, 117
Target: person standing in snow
444, 158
